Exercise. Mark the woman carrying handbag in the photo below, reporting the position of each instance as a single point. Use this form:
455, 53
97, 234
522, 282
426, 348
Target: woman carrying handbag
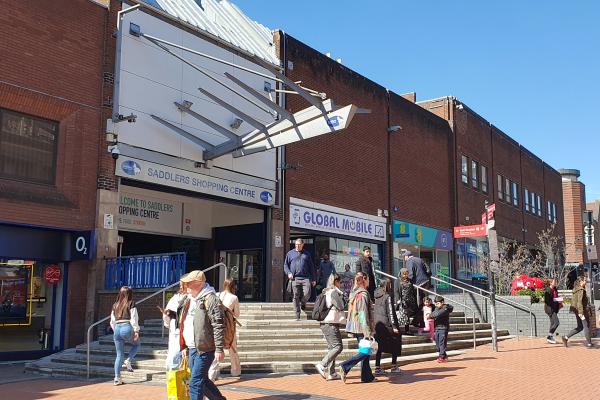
387, 330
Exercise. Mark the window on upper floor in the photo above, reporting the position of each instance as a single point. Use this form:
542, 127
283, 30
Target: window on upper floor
526, 199
539, 205
554, 213
500, 188
484, 179
507, 196
464, 169
549, 211
474, 174
28, 147
533, 208
515, 194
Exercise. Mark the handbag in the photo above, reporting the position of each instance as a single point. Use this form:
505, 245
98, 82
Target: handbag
403, 318
178, 382
368, 346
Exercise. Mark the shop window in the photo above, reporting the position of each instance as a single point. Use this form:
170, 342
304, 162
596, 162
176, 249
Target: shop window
28, 147
539, 205
515, 194
484, 179
526, 199
464, 170
474, 174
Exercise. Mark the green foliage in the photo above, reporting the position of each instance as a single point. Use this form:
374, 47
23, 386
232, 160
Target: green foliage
537, 296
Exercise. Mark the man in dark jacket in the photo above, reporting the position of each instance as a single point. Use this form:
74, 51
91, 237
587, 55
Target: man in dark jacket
365, 265
300, 270
441, 320
202, 332
417, 270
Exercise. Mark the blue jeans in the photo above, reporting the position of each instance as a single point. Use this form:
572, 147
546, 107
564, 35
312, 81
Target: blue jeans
200, 385
124, 333
441, 340
366, 375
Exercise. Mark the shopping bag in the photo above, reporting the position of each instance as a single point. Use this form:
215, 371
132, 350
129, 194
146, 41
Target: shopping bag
367, 346
178, 382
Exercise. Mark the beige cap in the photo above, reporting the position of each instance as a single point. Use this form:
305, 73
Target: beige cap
193, 276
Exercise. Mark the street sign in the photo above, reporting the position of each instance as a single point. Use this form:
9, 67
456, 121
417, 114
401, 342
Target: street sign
589, 229
469, 231
592, 253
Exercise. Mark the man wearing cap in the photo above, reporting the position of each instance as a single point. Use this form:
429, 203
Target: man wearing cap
202, 334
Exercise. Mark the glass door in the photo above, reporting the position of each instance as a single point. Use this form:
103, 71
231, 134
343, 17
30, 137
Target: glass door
246, 268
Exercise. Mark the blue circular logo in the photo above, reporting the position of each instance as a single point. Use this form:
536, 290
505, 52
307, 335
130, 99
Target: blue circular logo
130, 167
266, 197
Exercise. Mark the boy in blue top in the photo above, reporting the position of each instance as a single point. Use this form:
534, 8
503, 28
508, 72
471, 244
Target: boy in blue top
441, 321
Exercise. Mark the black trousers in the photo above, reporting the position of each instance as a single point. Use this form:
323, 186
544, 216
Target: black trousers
554, 322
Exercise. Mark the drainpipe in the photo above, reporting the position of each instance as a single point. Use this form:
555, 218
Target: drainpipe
390, 242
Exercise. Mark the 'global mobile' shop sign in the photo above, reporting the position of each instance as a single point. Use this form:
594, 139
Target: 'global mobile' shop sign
146, 171
325, 221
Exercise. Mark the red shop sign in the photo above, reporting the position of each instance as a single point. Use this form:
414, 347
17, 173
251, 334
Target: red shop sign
52, 274
469, 231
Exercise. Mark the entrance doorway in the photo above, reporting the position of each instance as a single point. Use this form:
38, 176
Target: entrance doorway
246, 268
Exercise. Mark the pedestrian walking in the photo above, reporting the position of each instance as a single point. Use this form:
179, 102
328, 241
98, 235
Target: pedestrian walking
441, 319
552, 304
330, 327
171, 322
580, 307
326, 268
202, 332
124, 323
300, 270
387, 330
365, 265
359, 324
229, 299
405, 296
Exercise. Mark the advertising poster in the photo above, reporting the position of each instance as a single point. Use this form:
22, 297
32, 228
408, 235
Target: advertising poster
14, 283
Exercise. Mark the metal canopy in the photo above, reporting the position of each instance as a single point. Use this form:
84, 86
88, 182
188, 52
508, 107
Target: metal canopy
322, 117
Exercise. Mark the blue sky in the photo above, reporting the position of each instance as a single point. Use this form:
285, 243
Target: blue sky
532, 68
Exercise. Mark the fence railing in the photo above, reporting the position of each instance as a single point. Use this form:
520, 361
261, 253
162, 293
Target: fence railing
144, 271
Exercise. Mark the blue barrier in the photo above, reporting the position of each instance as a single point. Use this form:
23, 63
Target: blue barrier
144, 271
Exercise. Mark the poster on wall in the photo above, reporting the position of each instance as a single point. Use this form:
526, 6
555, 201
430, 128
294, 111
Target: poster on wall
14, 283
149, 214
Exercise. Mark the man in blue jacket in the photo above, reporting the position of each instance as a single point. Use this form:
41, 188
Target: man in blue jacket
300, 270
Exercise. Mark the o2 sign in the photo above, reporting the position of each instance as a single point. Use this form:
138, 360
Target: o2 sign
81, 245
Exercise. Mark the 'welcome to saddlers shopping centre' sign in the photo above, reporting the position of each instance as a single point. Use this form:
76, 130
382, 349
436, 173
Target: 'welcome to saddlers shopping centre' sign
325, 221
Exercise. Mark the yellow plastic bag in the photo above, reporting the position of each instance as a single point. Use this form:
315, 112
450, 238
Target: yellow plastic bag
178, 381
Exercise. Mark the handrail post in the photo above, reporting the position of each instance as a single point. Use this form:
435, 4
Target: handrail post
474, 331
517, 324
465, 302
162, 332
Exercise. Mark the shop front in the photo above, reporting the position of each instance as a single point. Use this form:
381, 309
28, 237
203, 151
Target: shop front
470, 254
432, 245
34, 269
337, 233
165, 211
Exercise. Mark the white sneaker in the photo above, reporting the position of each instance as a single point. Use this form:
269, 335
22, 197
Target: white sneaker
321, 370
127, 365
118, 381
333, 377
551, 340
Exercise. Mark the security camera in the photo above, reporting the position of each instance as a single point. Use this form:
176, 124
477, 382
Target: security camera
114, 151
129, 118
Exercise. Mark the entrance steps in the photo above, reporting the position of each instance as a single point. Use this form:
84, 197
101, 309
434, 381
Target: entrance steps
269, 341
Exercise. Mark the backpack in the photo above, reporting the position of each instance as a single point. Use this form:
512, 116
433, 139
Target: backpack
320, 309
229, 323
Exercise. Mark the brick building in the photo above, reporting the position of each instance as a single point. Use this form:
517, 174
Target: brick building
51, 112
574, 205
492, 166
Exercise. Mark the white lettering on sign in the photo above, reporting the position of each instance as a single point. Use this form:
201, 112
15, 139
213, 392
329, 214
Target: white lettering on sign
164, 175
325, 221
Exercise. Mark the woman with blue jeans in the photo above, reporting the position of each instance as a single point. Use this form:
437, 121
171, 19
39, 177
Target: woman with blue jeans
124, 322
360, 324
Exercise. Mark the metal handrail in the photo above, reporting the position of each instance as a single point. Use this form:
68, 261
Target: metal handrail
163, 291
450, 300
506, 302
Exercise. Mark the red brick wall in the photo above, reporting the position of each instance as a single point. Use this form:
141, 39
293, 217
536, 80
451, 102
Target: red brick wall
421, 165
532, 170
52, 68
574, 204
553, 192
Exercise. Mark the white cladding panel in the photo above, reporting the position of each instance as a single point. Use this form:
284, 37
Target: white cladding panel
151, 80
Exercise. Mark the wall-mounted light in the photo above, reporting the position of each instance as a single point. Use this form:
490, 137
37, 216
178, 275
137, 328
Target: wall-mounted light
393, 128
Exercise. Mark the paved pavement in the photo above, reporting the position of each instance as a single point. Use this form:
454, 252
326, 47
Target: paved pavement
518, 370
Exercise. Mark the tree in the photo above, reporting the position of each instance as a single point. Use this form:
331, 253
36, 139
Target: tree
553, 252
